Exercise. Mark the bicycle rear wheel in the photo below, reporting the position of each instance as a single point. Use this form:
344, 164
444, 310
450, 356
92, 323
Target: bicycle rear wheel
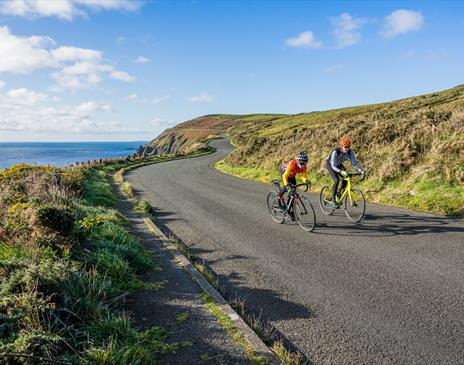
275, 210
325, 200
356, 206
304, 213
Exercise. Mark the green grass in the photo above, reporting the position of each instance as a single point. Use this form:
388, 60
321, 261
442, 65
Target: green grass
287, 357
127, 190
97, 189
144, 207
61, 284
182, 317
257, 174
426, 194
232, 330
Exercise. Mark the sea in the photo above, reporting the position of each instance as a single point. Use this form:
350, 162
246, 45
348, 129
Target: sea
62, 153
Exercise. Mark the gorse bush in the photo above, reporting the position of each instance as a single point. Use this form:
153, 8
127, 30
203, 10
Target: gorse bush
66, 259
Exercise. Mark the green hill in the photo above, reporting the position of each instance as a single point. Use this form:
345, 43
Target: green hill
412, 148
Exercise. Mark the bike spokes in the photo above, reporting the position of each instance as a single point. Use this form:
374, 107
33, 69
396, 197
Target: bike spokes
304, 213
276, 211
355, 205
325, 200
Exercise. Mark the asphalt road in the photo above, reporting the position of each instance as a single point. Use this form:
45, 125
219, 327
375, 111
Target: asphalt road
387, 291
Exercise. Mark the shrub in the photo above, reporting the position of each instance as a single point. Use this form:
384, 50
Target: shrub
57, 219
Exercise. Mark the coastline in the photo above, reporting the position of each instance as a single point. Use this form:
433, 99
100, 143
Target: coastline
62, 154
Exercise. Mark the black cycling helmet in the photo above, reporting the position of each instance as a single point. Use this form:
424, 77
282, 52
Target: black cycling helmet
302, 157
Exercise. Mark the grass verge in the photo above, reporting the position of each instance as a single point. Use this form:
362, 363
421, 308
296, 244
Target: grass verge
66, 263
420, 193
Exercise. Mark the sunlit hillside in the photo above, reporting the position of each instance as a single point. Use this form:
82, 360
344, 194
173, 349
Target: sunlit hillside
412, 148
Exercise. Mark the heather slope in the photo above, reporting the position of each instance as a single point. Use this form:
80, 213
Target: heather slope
413, 148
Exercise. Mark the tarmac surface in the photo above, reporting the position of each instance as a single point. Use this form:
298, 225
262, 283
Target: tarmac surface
389, 290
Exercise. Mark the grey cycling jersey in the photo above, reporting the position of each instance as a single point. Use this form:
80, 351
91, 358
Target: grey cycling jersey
336, 158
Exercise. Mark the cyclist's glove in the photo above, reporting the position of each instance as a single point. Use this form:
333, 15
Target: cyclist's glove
343, 173
363, 173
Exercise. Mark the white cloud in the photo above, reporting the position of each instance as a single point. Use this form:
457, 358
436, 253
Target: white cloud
305, 39
402, 21
346, 29
79, 67
2, 84
141, 59
93, 106
24, 54
86, 74
202, 98
38, 8
131, 97
76, 54
63, 9
79, 75
122, 76
23, 110
24, 96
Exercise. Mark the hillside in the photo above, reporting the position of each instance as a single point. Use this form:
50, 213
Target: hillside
413, 148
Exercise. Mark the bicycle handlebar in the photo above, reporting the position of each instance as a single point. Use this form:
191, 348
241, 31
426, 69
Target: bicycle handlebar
351, 174
305, 184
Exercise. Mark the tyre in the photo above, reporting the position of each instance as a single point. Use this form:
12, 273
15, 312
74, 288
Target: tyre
356, 206
304, 213
325, 200
276, 212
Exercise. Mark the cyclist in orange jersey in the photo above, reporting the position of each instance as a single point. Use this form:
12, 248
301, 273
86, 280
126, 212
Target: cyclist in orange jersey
289, 171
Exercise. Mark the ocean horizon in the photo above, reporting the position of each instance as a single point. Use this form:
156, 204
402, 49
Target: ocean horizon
62, 153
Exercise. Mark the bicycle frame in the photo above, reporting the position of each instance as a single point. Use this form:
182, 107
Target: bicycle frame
345, 191
295, 205
292, 197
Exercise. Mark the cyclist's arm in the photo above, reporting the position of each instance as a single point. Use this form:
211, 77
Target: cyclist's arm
333, 163
304, 174
286, 174
354, 162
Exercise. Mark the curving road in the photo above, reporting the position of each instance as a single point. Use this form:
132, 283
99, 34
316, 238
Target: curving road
387, 291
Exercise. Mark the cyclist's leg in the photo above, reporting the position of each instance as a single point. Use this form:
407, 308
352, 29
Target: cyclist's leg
283, 190
344, 182
291, 180
335, 178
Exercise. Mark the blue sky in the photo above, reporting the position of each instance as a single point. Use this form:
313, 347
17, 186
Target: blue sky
75, 70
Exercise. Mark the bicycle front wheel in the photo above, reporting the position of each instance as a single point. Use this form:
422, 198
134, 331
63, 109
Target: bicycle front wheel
355, 205
304, 213
275, 210
325, 200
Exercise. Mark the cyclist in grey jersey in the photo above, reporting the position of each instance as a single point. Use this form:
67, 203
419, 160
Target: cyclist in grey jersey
334, 164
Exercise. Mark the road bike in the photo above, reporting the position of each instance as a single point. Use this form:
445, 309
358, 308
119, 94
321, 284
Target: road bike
297, 206
351, 198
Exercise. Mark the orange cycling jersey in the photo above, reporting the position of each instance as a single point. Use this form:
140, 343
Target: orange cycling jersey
290, 169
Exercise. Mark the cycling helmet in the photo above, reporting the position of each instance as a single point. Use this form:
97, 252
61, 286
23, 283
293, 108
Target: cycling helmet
302, 157
346, 141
